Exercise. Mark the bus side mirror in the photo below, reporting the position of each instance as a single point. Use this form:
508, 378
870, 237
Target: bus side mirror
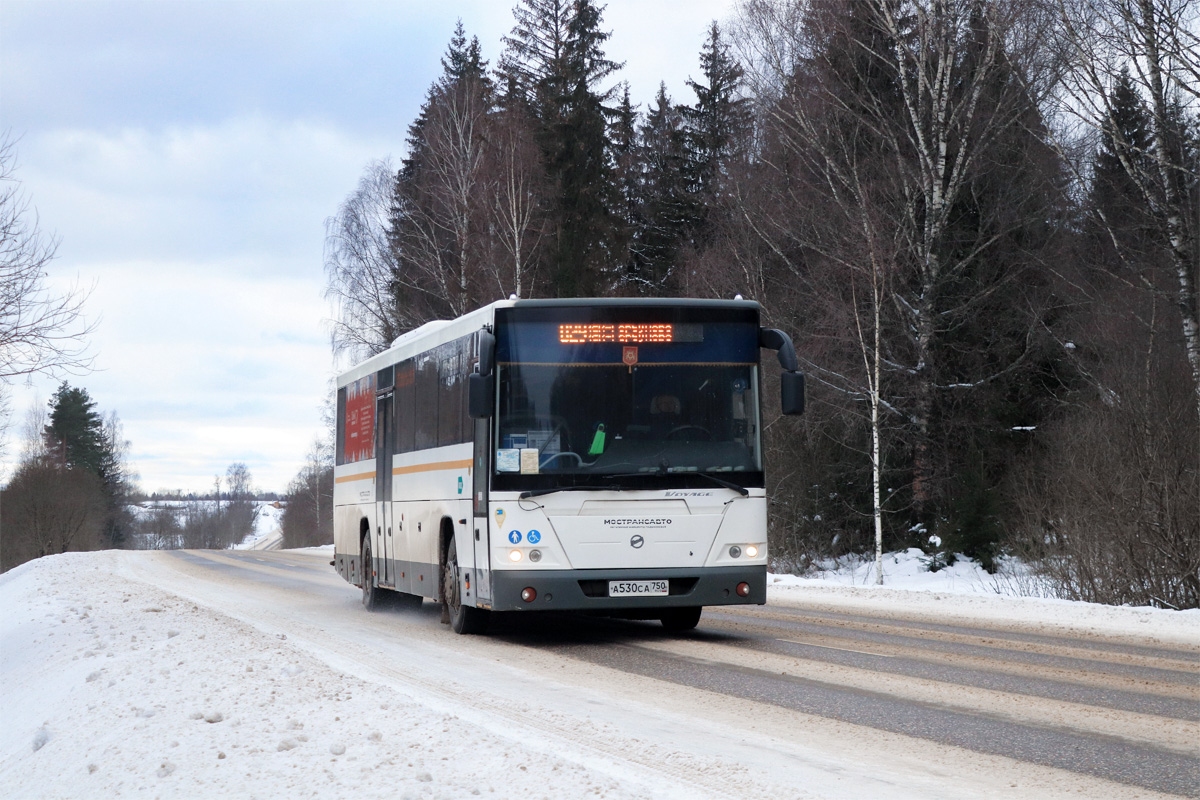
487, 352
481, 385
480, 394
791, 392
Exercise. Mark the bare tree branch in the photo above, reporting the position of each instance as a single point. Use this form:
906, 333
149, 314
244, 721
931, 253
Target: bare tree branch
42, 330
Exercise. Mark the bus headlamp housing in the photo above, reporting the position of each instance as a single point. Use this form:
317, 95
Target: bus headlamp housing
748, 550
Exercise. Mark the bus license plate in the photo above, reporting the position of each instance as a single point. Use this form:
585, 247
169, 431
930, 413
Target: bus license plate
636, 588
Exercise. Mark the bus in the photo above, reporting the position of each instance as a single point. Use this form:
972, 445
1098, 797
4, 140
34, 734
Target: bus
588, 455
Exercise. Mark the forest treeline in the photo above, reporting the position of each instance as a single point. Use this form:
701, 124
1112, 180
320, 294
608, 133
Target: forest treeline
978, 221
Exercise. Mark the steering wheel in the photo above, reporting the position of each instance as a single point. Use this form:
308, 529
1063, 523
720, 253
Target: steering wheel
578, 458
690, 433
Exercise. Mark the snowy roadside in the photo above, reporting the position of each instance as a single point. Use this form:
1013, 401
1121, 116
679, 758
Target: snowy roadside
966, 593
114, 688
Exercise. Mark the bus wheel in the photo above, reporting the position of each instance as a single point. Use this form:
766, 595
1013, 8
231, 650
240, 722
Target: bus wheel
681, 619
370, 593
463, 619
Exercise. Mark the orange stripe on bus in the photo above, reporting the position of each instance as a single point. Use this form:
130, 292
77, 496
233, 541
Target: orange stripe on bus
433, 467
362, 476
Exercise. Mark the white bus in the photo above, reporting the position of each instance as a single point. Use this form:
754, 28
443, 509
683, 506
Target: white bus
596, 455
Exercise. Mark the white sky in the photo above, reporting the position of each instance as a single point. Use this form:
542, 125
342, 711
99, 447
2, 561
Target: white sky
188, 153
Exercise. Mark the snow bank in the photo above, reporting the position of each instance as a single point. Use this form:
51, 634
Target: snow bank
115, 689
966, 593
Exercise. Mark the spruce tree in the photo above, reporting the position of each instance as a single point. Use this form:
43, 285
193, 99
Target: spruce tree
668, 211
719, 120
1124, 150
626, 166
555, 54
76, 438
75, 431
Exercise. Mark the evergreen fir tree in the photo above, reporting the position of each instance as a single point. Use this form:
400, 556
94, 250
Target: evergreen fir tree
555, 53
623, 142
77, 440
1124, 148
719, 120
75, 432
995, 311
668, 210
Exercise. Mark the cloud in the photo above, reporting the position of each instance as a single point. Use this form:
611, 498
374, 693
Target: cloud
188, 61
239, 186
207, 364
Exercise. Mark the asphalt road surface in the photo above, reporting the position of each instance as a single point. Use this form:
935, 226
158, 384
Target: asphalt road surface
772, 687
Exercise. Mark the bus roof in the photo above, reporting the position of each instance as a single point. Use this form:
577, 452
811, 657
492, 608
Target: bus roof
439, 331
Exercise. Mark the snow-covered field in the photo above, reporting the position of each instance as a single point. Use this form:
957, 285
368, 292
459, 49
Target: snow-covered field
116, 686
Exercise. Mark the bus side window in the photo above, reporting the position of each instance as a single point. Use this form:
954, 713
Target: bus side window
426, 402
466, 424
450, 394
405, 405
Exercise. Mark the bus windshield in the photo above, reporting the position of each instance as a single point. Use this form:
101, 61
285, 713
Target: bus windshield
658, 400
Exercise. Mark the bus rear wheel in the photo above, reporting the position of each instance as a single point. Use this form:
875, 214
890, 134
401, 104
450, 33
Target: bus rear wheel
370, 591
463, 619
681, 619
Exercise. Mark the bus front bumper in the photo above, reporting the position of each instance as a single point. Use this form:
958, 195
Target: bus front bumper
587, 590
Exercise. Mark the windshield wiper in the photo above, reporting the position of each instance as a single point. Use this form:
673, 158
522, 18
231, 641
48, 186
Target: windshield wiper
742, 490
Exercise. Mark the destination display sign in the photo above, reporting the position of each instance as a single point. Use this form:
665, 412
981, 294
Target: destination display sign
629, 333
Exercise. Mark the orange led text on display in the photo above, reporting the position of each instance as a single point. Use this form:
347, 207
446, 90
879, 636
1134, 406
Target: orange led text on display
627, 333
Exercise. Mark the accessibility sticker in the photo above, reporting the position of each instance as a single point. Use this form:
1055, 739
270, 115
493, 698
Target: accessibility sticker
534, 537
514, 537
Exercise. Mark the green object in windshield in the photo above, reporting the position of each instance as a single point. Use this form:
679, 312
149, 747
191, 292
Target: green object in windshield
597, 441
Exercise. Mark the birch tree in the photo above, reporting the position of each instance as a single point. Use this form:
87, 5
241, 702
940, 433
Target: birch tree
892, 118
442, 218
516, 184
360, 267
1156, 44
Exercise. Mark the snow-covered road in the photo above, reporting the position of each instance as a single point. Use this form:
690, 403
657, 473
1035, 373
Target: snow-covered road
198, 674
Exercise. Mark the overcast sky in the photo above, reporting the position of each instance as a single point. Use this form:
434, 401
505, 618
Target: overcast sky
187, 154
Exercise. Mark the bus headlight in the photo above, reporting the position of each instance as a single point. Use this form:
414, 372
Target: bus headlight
751, 551
535, 556
735, 551
514, 556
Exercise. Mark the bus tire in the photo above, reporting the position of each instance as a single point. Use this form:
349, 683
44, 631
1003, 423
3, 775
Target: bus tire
370, 598
463, 619
681, 619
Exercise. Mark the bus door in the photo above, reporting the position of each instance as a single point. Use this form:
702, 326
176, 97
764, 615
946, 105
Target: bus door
383, 487
480, 527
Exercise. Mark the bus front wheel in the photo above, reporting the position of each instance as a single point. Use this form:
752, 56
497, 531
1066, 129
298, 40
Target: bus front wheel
463, 619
